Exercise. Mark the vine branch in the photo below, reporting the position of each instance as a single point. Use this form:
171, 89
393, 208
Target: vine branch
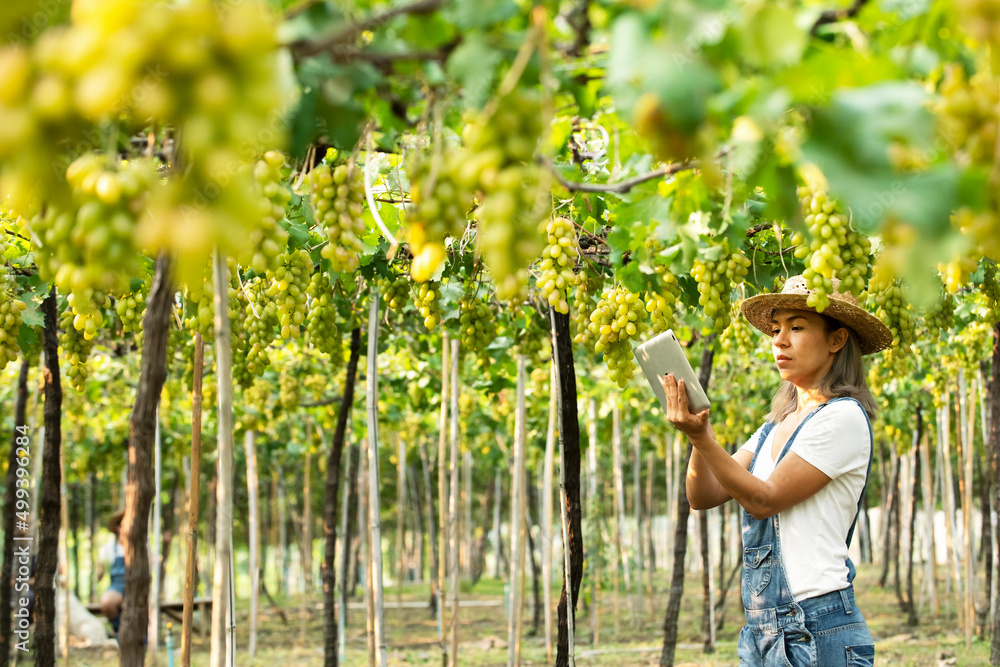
622, 186
347, 33
835, 15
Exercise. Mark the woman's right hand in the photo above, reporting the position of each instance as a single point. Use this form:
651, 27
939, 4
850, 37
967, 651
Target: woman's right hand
693, 425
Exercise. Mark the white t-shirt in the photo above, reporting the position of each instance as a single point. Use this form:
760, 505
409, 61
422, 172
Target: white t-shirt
836, 440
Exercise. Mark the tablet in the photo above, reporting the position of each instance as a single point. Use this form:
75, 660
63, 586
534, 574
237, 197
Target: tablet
663, 354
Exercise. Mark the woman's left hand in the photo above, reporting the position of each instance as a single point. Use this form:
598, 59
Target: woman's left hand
693, 425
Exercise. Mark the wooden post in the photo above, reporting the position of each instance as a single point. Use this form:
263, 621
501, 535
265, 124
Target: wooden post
637, 546
400, 501
616, 443
443, 491
593, 520
453, 507
156, 541
517, 518
374, 521
253, 500
546, 536
194, 490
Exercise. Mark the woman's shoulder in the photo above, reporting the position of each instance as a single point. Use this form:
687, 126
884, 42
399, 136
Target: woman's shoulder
845, 408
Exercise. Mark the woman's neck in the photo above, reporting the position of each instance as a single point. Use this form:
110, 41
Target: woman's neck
808, 398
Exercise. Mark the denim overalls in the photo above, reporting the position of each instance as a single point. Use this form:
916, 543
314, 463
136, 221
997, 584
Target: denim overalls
823, 631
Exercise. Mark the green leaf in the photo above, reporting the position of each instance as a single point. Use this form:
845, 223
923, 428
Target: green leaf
772, 38
467, 14
474, 65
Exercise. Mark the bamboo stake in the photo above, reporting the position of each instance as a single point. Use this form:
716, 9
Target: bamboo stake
970, 561
595, 557
517, 519
650, 462
453, 508
224, 489
637, 545
950, 510
363, 500
443, 492
194, 490
373, 486
64, 554
400, 500
467, 512
930, 571
550, 444
616, 444
253, 500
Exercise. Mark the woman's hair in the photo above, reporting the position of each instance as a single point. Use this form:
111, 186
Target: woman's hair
846, 378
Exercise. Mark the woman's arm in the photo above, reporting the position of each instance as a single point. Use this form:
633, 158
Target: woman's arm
792, 481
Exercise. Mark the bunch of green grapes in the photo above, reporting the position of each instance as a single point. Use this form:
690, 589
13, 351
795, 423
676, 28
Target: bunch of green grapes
76, 348
981, 18
982, 228
967, 113
835, 251
394, 292
315, 384
238, 305
738, 336
11, 310
662, 305
991, 291
270, 237
516, 199
256, 398
716, 279
200, 309
890, 306
260, 321
440, 200
131, 308
940, 316
90, 244
338, 196
87, 310
532, 341
477, 323
427, 298
289, 390
617, 320
322, 332
557, 264
289, 284
586, 302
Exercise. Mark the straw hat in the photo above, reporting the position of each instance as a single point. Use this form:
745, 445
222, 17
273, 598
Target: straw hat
873, 335
115, 521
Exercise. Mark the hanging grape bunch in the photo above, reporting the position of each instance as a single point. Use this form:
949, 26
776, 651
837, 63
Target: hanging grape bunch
394, 292
991, 291
199, 308
439, 203
516, 201
716, 278
75, 350
268, 238
87, 311
338, 196
90, 245
982, 228
738, 336
427, 298
289, 284
887, 300
617, 321
836, 250
586, 302
242, 377
558, 263
289, 389
966, 111
661, 305
11, 312
261, 318
477, 323
940, 316
131, 308
532, 340
322, 332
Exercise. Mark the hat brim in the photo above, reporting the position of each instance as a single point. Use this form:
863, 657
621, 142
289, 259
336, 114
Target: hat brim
873, 335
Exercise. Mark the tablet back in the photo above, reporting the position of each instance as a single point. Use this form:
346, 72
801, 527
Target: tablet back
663, 354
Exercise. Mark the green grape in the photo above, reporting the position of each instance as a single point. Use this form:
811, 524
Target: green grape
315, 385
940, 316
238, 304
991, 291
338, 197
131, 308
200, 308
427, 298
716, 279
76, 348
558, 263
322, 332
86, 308
477, 323
532, 341
270, 237
835, 251
967, 113
738, 337
289, 391
662, 305
11, 313
289, 284
260, 321
439, 203
891, 307
394, 292
256, 398
617, 320
586, 302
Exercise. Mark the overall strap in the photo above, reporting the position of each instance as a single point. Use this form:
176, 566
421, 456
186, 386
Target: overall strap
871, 454
791, 439
764, 432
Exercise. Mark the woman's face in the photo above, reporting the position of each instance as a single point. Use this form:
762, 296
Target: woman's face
802, 348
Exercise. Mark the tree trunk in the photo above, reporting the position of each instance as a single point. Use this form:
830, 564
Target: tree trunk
546, 518
330, 644
994, 446
912, 619
253, 501
593, 523
155, 542
194, 491
889, 511
74, 522
139, 491
680, 530
14, 502
400, 505
517, 497
707, 587
569, 441
431, 528
349, 511
222, 577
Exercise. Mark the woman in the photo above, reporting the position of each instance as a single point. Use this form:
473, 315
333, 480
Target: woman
113, 554
804, 471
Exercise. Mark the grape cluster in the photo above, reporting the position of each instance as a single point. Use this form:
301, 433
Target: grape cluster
394, 292
835, 251
616, 321
991, 291
982, 228
440, 201
75, 350
716, 279
238, 304
967, 113
557, 264
131, 308
260, 320
586, 302
427, 298
338, 196
289, 284
738, 337
516, 200
200, 308
889, 304
662, 305
90, 244
322, 332
477, 323
11, 309
532, 341
289, 390
270, 237
940, 315
86, 310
